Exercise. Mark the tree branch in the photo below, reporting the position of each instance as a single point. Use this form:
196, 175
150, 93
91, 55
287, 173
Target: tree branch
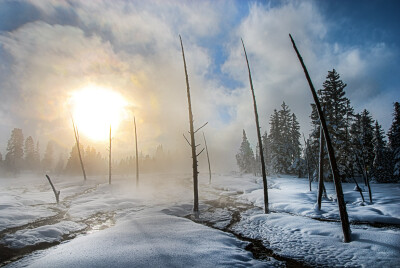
200, 152
187, 140
201, 127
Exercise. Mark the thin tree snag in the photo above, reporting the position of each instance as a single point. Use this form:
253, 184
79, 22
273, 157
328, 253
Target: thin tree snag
321, 168
137, 155
56, 193
109, 160
192, 140
307, 163
338, 186
365, 170
78, 146
264, 174
208, 158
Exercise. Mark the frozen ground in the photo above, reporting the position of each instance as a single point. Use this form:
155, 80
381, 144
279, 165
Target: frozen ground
119, 225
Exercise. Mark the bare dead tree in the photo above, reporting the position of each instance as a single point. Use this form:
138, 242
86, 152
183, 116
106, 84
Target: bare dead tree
78, 147
137, 157
208, 158
321, 168
109, 160
192, 142
264, 173
335, 172
56, 193
307, 162
365, 174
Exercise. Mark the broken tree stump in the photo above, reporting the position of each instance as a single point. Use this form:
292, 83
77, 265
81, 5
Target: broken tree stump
56, 193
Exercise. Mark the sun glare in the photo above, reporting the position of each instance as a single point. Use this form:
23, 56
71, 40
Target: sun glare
95, 108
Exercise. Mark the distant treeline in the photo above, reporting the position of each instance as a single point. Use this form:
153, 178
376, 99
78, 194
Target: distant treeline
360, 144
24, 156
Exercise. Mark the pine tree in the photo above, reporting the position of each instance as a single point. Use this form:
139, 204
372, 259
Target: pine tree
337, 111
257, 161
37, 157
284, 142
295, 148
275, 140
15, 152
267, 152
285, 149
394, 141
367, 135
73, 164
29, 150
245, 157
381, 169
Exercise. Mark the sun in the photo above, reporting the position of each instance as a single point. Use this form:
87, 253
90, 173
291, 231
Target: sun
95, 108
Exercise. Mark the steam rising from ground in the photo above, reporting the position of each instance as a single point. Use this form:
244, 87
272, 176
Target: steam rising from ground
133, 47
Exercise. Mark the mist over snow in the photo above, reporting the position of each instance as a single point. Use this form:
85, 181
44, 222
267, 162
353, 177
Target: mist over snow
48, 49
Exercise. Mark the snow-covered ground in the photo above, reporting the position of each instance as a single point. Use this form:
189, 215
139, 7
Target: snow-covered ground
120, 225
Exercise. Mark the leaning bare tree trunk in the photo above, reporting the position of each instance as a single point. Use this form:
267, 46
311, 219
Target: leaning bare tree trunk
192, 140
79, 150
339, 191
56, 193
109, 160
137, 159
264, 174
208, 158
307, 163
321, 168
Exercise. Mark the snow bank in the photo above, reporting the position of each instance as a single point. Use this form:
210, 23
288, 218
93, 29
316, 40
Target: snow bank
320, 243
292, 195
148, 240
47, 233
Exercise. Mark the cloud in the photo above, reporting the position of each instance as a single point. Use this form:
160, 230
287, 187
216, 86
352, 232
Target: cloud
133, 47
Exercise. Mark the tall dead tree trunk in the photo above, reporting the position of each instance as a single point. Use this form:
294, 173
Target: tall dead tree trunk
137, 156
109, 160
56, 193
264, 173
79, 149
338, 186
192, 140
321, 168
308, 163
208, 158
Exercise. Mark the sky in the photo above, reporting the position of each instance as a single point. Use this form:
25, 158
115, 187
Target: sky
50, 49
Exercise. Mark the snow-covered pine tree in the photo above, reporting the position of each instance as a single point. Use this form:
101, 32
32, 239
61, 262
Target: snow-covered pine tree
283, 140
381, 168
275, 141
337, 109
295, 148
267, 152
245, 157
394, 141
285, 149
